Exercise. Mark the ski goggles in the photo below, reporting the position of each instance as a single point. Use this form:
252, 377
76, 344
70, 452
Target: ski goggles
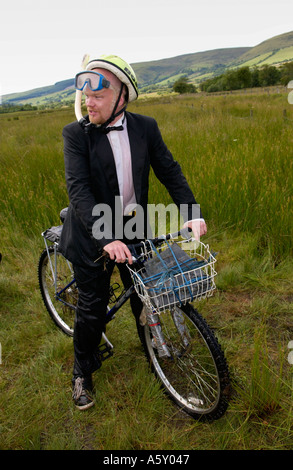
94, 80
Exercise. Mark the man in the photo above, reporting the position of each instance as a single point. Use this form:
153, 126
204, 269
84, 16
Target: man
108, 155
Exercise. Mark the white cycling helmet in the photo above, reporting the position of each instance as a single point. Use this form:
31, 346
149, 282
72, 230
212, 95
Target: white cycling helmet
121, 69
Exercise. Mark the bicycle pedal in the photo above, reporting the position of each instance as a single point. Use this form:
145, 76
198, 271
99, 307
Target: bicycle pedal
105, 351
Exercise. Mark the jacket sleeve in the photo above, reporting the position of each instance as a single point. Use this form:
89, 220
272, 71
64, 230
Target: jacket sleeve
169, 173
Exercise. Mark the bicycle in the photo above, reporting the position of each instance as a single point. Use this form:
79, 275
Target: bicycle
182, 349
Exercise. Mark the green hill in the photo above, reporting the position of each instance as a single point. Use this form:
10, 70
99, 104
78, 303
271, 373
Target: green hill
62, 90
271, 52
193, 65
161, 74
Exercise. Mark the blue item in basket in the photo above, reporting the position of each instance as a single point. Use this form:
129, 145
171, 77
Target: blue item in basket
172, 276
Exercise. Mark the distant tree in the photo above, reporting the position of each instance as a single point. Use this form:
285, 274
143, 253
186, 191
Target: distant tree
269, 75
182, 86
286, 73
230, 80
244, 77
10, 108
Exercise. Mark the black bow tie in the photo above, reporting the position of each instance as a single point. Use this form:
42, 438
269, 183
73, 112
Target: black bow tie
106, 130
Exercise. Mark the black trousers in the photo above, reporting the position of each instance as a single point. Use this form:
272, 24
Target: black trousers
93, 286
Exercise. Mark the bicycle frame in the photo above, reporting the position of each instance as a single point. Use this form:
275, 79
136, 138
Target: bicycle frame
139, 259
123, 297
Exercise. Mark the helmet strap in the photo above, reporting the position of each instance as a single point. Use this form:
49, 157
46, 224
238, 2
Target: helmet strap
87, 126
114, 114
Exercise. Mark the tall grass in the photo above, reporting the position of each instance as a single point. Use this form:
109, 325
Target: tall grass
32, 170
239, 165
239, 168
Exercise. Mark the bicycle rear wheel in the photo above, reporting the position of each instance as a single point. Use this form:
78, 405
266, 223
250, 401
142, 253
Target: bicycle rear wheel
59, 292
193, 369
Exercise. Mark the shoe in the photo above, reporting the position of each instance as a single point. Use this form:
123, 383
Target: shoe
82, 388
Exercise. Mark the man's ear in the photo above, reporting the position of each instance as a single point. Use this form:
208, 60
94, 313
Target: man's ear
125, 95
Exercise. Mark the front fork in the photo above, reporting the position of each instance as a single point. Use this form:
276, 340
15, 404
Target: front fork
181, 326
153, 320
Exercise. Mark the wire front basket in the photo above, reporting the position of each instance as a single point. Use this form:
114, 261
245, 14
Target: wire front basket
176, 273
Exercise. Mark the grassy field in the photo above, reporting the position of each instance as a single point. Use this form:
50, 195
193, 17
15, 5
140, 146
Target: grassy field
236, 151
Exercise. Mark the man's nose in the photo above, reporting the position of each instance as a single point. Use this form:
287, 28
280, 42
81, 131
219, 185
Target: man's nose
89, 100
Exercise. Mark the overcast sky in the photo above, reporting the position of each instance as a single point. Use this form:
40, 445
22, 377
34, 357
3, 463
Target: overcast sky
43, 42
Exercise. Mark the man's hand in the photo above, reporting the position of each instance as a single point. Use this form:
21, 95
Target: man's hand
118, 251
198, 227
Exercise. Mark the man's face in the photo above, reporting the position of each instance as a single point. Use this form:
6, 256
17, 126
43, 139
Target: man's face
100, 103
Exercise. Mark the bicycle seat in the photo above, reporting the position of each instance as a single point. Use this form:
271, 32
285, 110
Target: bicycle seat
63, 214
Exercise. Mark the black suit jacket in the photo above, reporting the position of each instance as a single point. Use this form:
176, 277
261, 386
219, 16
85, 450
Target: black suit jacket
91, 179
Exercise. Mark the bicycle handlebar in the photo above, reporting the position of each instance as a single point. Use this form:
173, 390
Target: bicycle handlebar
134, 247
185, 233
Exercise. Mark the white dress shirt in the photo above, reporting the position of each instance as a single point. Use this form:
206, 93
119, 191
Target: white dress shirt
119, 142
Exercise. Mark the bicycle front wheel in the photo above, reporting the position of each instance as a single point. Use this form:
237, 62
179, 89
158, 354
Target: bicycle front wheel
191, 366
58, 288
